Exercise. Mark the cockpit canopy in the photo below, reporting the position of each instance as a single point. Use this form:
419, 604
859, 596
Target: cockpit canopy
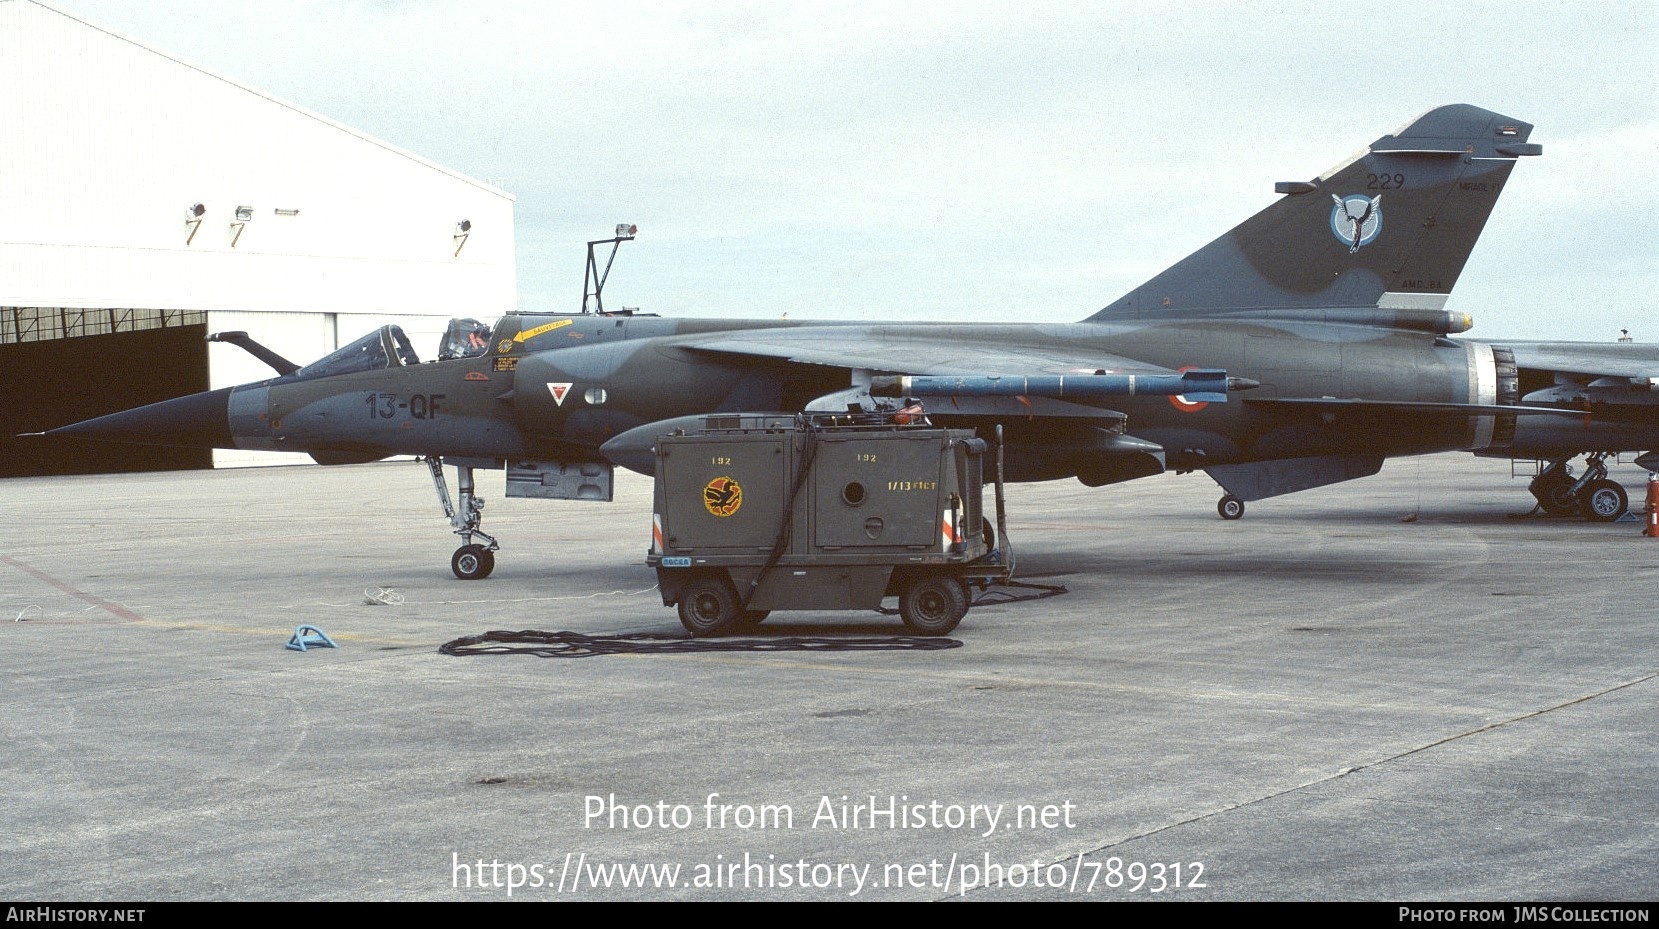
388, 347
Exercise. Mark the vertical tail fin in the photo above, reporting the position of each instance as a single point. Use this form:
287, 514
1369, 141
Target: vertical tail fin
1389, 230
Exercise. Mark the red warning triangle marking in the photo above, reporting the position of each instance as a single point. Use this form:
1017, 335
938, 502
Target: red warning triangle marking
559, 391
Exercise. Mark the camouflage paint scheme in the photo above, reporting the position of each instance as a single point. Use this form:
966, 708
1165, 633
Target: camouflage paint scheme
1332, 299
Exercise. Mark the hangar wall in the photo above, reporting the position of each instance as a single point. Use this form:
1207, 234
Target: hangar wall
134, 179
111, 143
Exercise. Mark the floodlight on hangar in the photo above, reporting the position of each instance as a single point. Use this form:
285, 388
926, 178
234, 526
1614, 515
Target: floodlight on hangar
193, 218
244, 215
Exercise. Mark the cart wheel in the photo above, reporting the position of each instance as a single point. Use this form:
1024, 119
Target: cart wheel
933, 604
707, 606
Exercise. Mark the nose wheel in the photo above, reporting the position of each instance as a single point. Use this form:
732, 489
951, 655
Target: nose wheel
1230, 507
472, 561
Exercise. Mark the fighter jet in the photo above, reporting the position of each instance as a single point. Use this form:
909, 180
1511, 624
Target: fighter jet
1329, 305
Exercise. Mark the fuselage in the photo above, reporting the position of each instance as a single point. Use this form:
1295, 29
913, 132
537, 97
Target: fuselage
559, 387
578, 381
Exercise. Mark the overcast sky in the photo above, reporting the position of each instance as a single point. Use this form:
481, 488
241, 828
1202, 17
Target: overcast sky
974, 161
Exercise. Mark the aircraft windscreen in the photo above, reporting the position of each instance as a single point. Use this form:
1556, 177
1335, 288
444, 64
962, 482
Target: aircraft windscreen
365, 354
464, 338
405, 351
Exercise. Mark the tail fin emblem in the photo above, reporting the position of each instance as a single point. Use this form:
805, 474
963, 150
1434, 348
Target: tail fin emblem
1356, 220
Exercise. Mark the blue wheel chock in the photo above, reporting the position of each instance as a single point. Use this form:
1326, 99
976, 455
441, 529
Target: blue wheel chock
310, 637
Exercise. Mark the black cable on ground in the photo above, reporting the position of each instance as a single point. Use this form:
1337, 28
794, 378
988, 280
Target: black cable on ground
995, 596
577, 645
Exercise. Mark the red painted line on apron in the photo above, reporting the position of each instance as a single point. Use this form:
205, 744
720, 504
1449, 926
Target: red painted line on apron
113, 608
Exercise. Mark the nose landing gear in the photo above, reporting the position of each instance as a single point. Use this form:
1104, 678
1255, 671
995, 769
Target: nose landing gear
471, 562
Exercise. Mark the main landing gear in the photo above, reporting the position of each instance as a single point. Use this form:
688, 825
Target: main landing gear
1591, 495
471, 562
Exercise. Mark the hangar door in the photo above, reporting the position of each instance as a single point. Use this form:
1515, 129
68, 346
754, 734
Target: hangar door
54, 382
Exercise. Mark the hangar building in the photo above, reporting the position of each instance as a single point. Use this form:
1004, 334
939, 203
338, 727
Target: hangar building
145, 202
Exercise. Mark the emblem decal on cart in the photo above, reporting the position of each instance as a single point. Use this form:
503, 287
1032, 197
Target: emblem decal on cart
722, 496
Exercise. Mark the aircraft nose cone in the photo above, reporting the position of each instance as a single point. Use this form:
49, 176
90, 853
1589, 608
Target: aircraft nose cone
196, 421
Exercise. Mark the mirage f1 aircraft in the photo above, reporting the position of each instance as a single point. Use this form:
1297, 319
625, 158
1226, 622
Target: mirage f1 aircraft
1329, 305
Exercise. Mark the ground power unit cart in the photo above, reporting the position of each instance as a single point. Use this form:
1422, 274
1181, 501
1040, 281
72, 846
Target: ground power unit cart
763, 512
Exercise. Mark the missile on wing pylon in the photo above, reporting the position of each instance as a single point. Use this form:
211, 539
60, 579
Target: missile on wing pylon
1196, 385
635, 449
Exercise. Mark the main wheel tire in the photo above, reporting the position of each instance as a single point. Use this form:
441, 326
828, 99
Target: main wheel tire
472, 562
1553, 491
1603, 501
1560, 503
933, 604
1230, 507
708, 606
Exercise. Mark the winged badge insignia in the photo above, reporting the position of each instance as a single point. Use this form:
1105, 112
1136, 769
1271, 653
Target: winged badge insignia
1356, 220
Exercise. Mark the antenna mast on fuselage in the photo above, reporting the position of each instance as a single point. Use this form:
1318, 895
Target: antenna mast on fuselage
593, 280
